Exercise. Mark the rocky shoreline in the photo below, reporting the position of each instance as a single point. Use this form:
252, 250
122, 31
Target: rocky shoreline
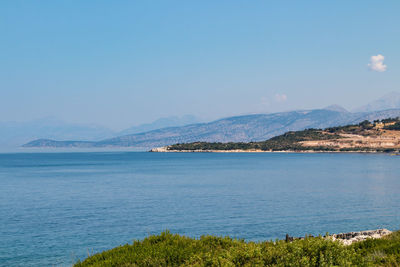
351, 237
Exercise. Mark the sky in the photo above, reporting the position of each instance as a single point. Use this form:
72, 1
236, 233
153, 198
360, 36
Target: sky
122, 63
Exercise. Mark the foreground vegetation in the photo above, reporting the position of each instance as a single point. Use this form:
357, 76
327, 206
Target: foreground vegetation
169, 249
291, 141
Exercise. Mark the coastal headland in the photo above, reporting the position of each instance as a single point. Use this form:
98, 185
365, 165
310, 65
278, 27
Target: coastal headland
377, 136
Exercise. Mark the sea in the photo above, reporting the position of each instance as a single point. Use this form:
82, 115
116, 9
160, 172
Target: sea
56, 208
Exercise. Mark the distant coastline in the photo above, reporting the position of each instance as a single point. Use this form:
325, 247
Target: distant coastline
245, 128
165, 150
365, 137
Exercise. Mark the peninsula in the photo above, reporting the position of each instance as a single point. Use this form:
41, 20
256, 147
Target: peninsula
378, 136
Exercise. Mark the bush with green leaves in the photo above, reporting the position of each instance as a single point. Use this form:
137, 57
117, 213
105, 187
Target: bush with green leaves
169, 249
395, 127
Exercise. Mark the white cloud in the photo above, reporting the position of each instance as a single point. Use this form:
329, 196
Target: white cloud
376, 63
280, 98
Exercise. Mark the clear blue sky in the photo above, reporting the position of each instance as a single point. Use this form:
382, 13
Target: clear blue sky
120, 63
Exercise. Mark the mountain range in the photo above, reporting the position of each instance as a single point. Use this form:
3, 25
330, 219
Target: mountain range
14, 134
254, 127
246, 128
172, 121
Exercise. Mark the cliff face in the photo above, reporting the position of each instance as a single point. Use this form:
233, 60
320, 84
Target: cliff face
257, 127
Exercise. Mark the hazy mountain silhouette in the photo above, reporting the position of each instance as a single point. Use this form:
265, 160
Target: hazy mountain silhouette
389, 101
13, 134
246, 128
166, 131
172, 121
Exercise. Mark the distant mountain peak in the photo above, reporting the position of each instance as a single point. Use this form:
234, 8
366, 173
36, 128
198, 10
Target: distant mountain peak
392, 94
388, 101
172, 121
337, 108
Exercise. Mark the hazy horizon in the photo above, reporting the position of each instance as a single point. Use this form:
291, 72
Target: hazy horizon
197, 119
131, 63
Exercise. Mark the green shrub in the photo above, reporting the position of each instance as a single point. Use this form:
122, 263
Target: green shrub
169, 249
395, 126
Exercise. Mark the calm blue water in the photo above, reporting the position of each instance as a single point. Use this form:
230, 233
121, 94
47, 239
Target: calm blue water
58, 207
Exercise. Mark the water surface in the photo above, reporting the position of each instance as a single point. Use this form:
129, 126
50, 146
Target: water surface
58, 207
